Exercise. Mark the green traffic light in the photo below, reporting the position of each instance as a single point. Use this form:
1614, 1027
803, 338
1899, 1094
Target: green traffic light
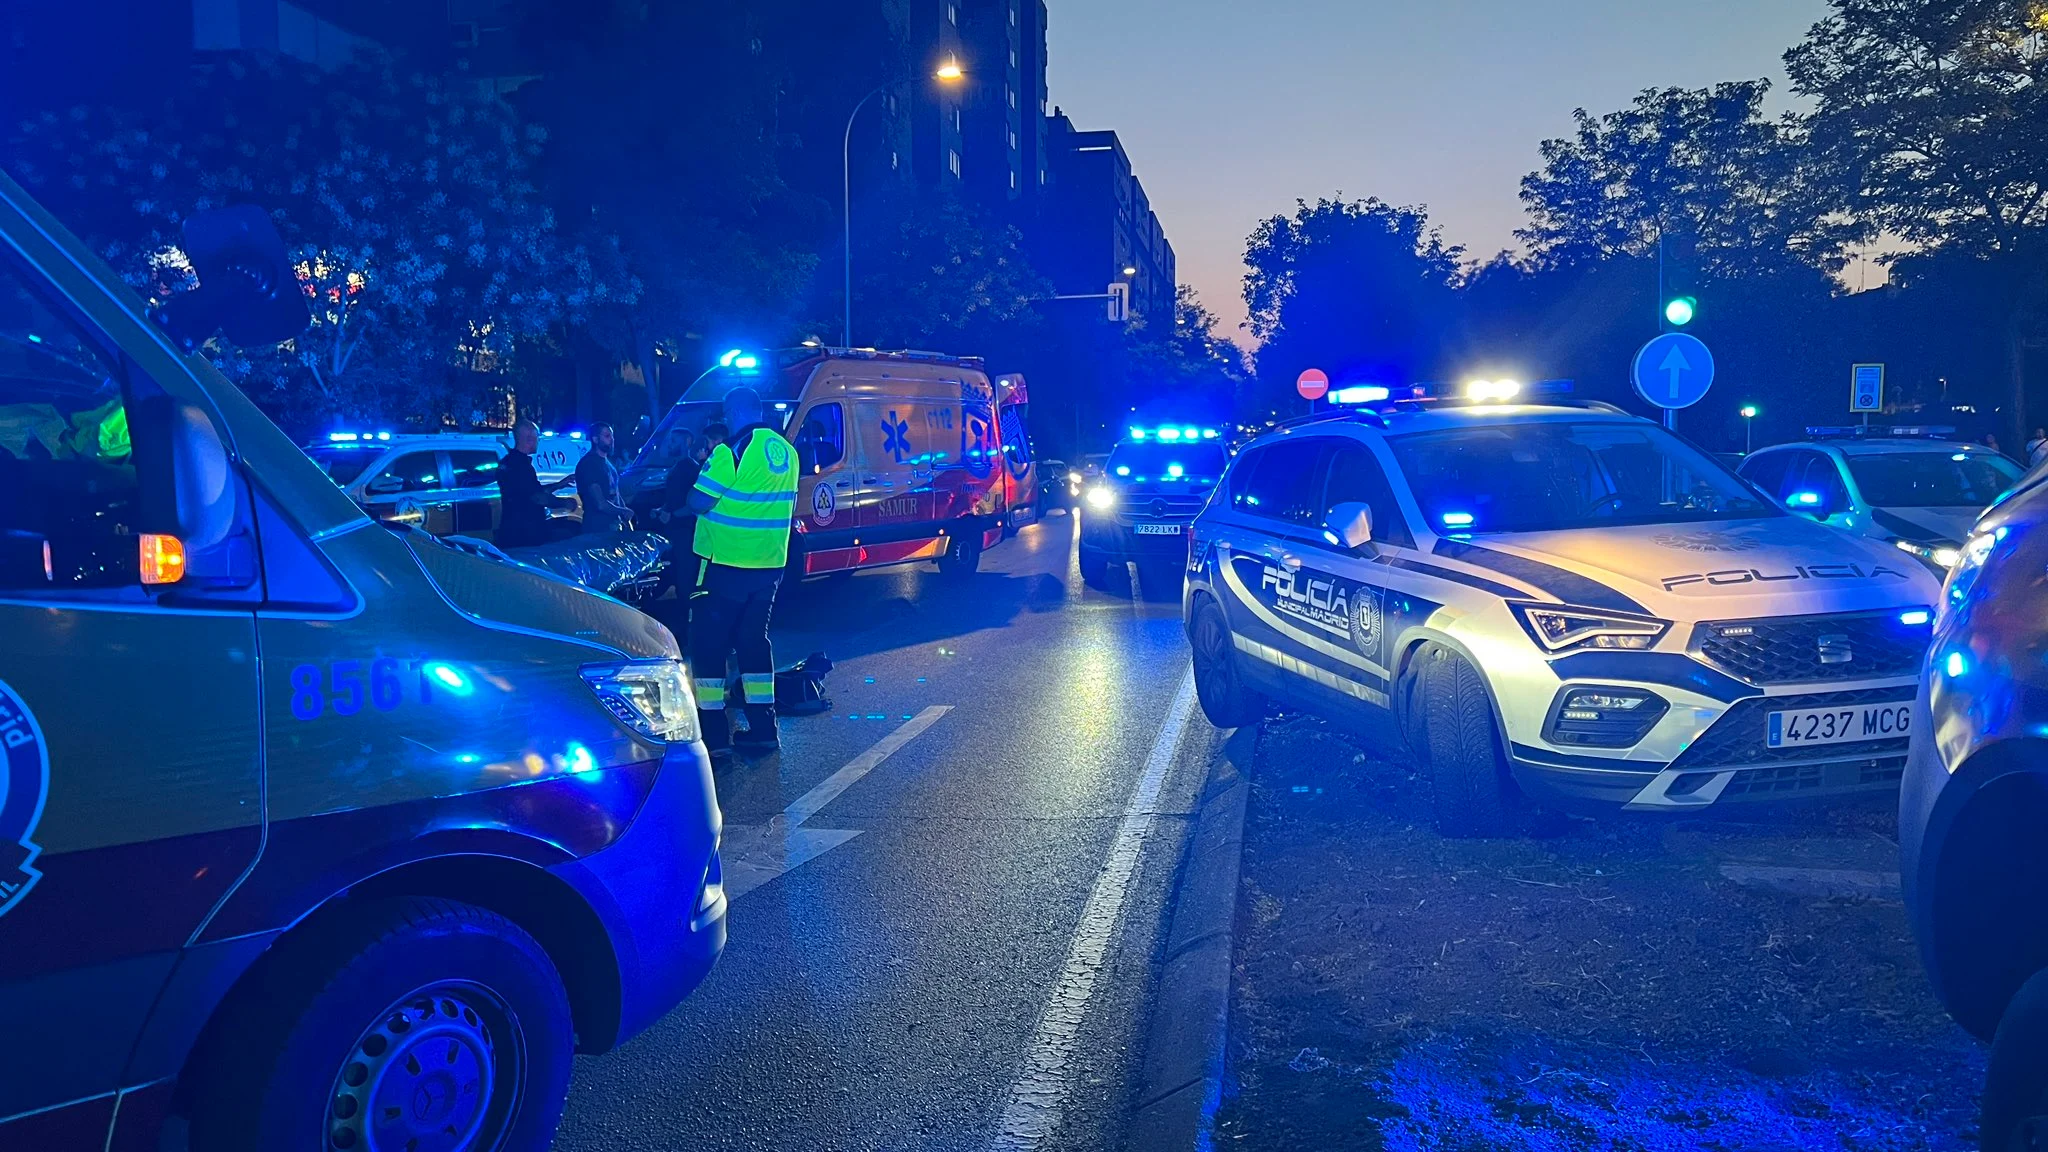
1681, 310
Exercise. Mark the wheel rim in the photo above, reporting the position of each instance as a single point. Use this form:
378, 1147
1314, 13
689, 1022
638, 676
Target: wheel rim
438, 1071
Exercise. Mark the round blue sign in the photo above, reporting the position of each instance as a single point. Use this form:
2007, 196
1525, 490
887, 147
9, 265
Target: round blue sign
24, 785
1674, 371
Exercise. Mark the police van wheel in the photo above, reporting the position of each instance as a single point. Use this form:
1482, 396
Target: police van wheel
2016, 1081
1472, 794
1225, 699
414, 1024
963, 556
1094, 569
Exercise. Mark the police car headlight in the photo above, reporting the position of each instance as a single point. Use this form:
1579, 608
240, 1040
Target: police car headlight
1101, 498
1942, 556
652, 697
1558, 629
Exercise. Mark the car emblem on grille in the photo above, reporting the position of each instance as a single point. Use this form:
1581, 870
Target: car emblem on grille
1836, 650
1159, 509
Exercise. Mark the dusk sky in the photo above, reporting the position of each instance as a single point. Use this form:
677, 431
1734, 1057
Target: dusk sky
1233, 109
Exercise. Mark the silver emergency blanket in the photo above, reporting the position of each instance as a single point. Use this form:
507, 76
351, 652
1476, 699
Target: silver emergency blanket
609, 562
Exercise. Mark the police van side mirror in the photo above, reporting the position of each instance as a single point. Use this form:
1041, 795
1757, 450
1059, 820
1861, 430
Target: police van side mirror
187, 481
1349, 526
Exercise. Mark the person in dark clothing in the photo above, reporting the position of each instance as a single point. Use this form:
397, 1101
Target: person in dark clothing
597, 484
522, 498
688, 454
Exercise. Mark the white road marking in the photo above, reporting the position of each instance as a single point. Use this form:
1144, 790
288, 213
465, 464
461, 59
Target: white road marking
1039, 1095
752, 855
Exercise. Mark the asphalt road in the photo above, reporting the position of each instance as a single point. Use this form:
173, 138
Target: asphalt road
947, 913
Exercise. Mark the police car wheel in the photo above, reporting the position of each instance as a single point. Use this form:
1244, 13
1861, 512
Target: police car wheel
1472, 795
1094, 569
1222, 693
416, 1024
963, 555
2016, 1080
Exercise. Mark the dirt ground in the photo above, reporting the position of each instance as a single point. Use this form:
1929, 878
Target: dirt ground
1621, 984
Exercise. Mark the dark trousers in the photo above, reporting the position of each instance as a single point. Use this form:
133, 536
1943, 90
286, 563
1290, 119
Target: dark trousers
729, 615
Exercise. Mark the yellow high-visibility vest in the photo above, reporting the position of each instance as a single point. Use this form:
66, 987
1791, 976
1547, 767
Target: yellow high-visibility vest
748, 526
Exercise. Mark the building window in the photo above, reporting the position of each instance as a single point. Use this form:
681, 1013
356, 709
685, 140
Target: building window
1011, 93
952, 14
1013, 179
1041, 177
953, 162
1013, 140
1013, 15
895, 161
956, 120
1013, 57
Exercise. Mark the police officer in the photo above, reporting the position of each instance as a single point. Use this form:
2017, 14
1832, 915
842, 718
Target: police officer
745, 499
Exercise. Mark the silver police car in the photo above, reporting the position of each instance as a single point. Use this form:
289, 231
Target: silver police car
1553, 601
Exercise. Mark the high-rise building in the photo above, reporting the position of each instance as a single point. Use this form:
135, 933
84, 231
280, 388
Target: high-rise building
1003, 47
1098, 226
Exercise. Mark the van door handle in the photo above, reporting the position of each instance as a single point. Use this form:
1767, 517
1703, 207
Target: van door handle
1291, 563
844, 484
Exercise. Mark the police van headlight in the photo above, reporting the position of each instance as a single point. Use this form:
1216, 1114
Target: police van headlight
652, 697
1969, 567
1101, 498
1941, 556
1556, 629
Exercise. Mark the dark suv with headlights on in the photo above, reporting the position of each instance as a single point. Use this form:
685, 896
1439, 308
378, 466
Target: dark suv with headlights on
1141, 507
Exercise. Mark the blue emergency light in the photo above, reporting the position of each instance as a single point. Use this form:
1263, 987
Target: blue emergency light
1804, 499
1175, 433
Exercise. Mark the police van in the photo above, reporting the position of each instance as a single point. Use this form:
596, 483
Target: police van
314, 832
1139, 509
443, 482
907, 456
1553, 602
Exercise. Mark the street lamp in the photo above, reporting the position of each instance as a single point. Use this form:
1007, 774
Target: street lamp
1130, 270
1748, 421
947, 73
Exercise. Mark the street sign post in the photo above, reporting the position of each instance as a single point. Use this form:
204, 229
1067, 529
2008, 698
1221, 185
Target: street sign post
1673, 371
1866, 388
1119, 302
1313, 384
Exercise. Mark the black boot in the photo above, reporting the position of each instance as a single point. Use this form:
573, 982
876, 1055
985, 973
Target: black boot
761, 735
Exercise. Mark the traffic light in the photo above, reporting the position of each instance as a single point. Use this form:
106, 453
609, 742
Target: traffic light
1680, 310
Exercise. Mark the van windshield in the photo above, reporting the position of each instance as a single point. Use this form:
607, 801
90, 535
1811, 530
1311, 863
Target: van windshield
684, 426
1197, 463
1932, 479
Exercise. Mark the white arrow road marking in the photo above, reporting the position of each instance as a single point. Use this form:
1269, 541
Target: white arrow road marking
754, 854
1040, 1093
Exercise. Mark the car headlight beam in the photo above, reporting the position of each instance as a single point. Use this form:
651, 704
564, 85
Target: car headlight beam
652, 697
1101, 497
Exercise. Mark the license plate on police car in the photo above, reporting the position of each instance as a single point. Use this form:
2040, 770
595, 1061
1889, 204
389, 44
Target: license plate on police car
1156, 529
1855, 723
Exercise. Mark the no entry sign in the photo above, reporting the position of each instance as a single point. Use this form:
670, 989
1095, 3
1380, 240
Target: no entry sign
1313, 384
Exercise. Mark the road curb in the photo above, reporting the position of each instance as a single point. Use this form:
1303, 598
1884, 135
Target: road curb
1181, 1081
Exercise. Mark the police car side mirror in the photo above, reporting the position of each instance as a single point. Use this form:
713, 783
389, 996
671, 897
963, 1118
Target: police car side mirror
1349, 526
385, 486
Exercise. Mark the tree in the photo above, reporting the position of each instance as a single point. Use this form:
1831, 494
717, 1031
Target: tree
1189, 368
1931, 127
931, 270
1701, 170
406, 200
1361, 289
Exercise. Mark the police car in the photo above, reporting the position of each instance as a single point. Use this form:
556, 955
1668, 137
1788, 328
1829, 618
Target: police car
1906, 487
1557, 602
1140, 506
444, 482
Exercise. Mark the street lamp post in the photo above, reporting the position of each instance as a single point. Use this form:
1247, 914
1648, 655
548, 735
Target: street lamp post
948, 73
1748, 423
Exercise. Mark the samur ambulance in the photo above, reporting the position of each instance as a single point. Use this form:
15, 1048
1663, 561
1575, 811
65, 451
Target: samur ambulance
315, 832
907, 456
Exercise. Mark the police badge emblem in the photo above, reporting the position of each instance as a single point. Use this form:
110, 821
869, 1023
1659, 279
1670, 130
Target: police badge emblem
1366, 623
24, 785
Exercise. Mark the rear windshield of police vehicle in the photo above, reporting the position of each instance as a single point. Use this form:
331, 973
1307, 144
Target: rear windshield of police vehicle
345, 462
1201, 463
1544, 477
1932, 479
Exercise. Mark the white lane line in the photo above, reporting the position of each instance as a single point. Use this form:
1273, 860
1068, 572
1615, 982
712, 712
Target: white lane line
754, 854
808, 805
1040, 1093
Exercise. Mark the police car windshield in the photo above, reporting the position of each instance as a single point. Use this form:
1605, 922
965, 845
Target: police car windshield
1547, 477
1923, 479
345, 462
1197, 463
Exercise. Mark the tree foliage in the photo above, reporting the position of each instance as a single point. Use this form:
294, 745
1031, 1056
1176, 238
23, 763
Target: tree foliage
1359, 288
407, 204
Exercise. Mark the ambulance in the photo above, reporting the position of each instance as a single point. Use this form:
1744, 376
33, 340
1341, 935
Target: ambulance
1553, 603
315, 831
907, 456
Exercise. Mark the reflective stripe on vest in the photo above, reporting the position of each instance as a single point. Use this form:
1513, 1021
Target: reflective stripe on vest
749, 525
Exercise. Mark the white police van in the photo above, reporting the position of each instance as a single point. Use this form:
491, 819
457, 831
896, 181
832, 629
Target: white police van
443, 482
1554, 602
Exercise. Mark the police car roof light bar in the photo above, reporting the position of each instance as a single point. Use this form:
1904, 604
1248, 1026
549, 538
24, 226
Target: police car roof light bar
1895, 432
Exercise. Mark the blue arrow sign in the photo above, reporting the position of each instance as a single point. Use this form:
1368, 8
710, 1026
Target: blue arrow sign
1674, 371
